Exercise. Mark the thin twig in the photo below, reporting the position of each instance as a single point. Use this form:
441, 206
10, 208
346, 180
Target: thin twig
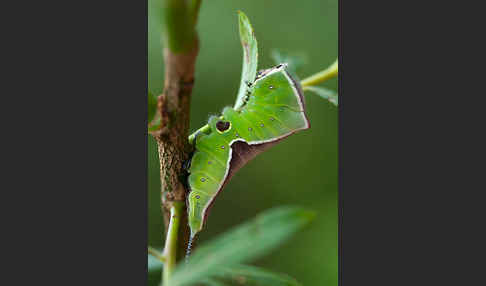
170, 248
155, 253
322, 76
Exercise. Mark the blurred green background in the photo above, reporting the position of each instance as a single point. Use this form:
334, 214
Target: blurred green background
301, 170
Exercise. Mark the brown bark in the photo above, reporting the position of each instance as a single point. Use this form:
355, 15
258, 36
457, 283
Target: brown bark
173, 146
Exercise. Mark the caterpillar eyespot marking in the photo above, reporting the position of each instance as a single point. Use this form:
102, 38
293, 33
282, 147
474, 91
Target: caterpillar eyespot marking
223, 126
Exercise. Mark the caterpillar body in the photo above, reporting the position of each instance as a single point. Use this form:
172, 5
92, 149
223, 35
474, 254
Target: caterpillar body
274, 109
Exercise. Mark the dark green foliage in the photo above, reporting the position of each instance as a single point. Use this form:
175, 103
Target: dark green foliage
251, 275
241, 244
154, 270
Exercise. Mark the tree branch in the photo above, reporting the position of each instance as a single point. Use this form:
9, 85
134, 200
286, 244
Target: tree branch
180, 17
155, 253
173, 106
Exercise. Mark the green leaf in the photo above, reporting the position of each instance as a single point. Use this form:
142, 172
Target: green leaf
154, 265
213, 282
294, 60
152, 106
243, 243
325, 93
250, 57
154, 271
251, 275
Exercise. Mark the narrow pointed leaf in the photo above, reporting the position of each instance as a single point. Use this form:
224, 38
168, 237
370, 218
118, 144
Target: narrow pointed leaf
214, 282
154, 265
243, 243
154, 271
250, 57
251, 275
325, 93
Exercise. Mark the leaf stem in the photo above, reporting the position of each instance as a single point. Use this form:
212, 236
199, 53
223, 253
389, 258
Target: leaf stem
155, 253
170, 249
322, 76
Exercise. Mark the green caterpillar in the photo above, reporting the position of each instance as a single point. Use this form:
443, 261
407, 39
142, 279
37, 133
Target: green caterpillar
273, 109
